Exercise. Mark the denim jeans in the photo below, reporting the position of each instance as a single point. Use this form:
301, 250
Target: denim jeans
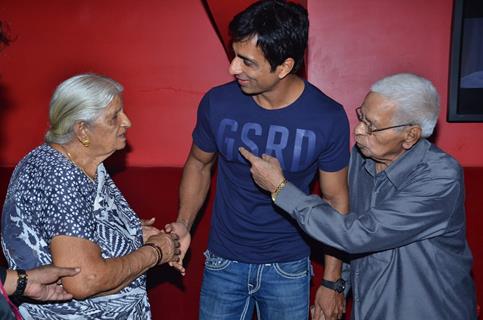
232, 290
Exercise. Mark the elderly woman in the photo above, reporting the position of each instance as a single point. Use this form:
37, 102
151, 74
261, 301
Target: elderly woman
63, 208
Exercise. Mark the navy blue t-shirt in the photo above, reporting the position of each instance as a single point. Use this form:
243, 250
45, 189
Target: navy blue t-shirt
312, 133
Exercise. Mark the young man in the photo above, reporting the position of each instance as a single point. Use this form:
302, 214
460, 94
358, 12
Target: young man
257, 257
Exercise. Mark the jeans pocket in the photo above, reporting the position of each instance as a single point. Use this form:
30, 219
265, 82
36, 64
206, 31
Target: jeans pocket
215, 263
293, 269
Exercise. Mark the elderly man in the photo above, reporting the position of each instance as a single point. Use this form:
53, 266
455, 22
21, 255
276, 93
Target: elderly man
406, 228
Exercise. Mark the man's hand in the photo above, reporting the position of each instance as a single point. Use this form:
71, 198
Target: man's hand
184, 241
329, 304
266, 171
148, 228
45, 283
312, 314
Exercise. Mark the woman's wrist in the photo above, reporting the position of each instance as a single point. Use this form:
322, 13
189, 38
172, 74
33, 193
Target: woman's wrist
157, 250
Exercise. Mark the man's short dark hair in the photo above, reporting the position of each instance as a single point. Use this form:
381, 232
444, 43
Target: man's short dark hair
281, 29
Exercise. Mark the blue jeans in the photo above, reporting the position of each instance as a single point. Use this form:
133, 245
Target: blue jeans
232, 290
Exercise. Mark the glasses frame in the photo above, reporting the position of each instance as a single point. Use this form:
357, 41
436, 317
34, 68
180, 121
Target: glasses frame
369, 130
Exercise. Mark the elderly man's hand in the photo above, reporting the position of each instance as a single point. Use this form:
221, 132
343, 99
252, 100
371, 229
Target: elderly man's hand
266, 171
329, 305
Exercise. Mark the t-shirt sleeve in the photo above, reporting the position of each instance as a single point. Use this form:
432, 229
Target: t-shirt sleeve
336, 154
203, 136
68, 206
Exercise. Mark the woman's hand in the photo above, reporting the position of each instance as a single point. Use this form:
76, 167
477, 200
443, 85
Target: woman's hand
169, 245
148, 228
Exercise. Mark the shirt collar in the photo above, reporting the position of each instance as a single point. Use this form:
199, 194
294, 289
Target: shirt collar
400, 169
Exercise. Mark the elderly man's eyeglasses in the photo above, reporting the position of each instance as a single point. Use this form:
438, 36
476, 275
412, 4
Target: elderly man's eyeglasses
369, 129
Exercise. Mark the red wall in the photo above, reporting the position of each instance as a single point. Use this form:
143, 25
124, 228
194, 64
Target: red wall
167, 54
354, 43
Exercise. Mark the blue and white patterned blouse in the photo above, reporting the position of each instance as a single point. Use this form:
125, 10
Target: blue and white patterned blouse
49, 196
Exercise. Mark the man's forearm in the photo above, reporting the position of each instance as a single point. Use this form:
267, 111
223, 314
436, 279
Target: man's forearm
332, 268
10, 283
333, 265
194, 187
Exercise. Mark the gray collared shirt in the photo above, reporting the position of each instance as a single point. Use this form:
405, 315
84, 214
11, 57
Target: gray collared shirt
406, 233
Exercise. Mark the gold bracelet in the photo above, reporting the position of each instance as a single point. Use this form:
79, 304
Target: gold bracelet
159, 253
278, 189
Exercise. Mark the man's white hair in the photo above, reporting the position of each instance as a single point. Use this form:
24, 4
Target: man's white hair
416, 100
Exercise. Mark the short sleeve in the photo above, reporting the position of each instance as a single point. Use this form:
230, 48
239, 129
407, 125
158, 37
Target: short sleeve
68, 204
203, 135
337, 153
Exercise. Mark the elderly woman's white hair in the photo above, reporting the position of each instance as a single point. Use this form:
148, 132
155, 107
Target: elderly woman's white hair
80, 98
416, 99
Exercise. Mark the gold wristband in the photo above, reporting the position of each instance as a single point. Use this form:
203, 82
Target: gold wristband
159, 252
278, 189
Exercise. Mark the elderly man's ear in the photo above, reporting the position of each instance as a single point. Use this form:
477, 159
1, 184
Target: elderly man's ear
412, 137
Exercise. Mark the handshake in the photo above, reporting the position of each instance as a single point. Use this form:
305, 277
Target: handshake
170, 244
